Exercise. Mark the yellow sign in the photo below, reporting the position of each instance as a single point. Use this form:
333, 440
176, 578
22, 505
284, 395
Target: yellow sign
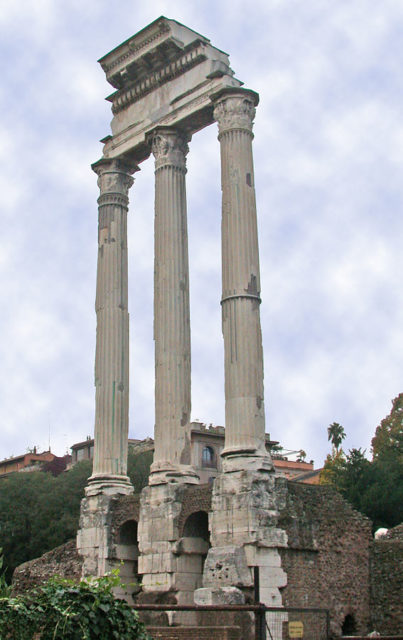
296, 629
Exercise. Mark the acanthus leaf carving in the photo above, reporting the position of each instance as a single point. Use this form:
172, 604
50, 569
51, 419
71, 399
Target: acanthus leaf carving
114, 176
169, 147
234, 112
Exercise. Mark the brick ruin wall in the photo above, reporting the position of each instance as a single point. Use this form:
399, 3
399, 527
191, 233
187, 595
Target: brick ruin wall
386, 571
327, 559
62, 561
122, 509
196, 498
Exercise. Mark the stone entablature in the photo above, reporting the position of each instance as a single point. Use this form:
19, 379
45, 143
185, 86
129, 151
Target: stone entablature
164, 76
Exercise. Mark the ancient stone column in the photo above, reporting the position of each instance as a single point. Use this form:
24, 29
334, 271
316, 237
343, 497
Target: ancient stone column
234, 110
112, 342
171, 312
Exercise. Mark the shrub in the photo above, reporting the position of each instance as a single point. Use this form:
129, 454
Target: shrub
63, 610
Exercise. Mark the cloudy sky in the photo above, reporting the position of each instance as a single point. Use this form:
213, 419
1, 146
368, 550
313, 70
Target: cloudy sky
328, 154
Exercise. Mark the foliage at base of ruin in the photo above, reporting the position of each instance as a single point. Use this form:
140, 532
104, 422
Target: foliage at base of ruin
63, 610
5, 589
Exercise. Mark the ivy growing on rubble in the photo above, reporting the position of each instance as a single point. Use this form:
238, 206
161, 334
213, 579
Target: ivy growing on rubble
64, 610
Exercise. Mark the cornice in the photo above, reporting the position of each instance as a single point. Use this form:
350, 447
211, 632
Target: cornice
136, 48
124, 97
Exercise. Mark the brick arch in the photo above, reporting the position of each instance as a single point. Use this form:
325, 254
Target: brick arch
127, 533
195, 499
124, 509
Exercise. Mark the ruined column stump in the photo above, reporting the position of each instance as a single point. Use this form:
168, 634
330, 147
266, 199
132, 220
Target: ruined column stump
170, 565
245, 534
94, 536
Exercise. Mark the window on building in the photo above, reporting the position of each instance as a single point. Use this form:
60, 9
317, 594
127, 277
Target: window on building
208, 457
80, 454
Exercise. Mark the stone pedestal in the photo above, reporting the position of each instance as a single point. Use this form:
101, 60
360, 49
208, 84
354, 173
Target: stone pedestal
100, 545
94, 535
245, 534
168, 563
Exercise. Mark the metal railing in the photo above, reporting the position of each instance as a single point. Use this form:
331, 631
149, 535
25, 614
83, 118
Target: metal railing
271, 623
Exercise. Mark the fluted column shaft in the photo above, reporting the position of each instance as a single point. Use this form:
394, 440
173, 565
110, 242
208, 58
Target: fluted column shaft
234, 111
112, 340
171, 311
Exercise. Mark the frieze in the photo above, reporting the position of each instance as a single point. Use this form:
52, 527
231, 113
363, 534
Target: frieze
125, 97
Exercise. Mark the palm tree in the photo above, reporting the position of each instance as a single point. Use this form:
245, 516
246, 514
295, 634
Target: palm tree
335, 433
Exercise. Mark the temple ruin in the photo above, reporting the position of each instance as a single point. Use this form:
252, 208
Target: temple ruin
171, 82
181, 539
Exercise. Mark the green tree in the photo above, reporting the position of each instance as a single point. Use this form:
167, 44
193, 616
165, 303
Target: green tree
5, 589
373, 487
388, 439
39, 512
335, 433
332, 467
138, 468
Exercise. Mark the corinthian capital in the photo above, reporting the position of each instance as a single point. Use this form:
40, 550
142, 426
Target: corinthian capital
235, 109
169, 147
114, 176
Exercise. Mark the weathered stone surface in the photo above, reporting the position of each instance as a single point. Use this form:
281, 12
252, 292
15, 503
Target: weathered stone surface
226, 566
223, 595
244, 519
387, 582
327, 559
164, 76
191, 546
94, 537
160, 508
245, 509
62, 561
